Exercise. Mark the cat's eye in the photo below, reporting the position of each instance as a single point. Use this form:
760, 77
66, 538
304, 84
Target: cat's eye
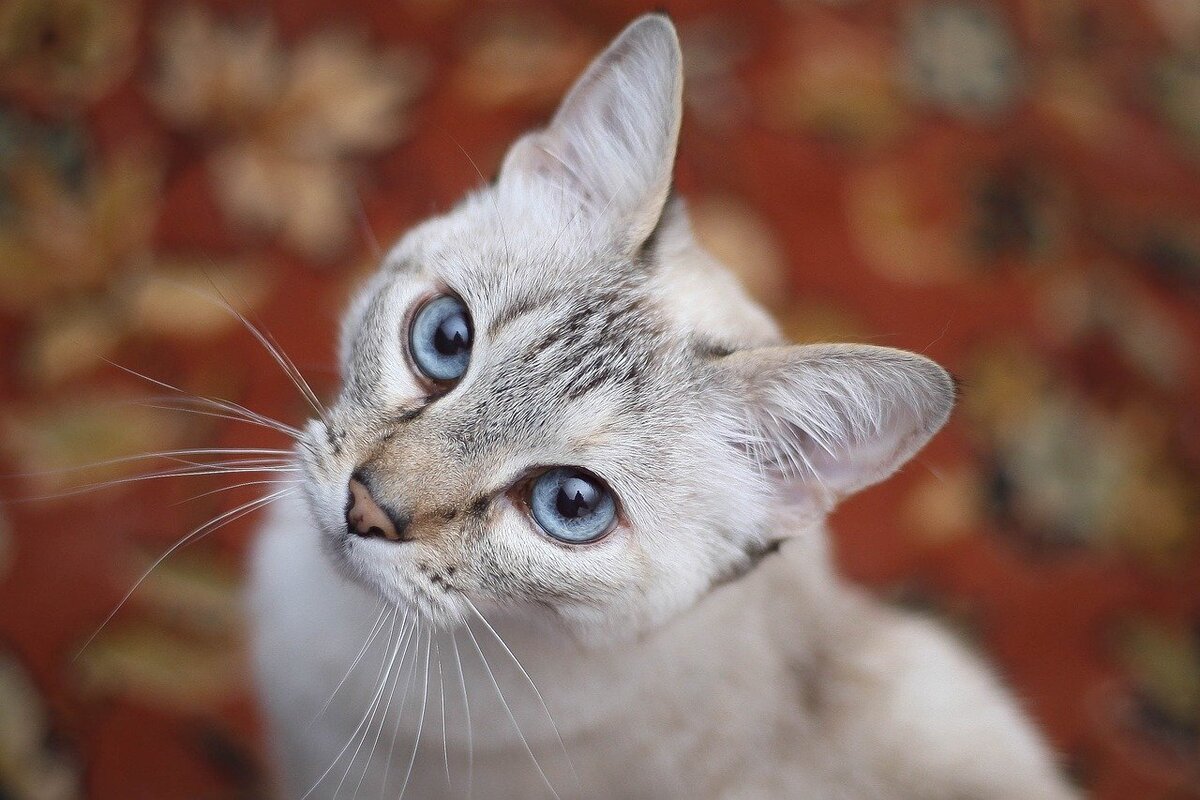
440, 338
571, 505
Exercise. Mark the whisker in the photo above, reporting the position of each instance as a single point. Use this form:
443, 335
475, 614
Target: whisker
387, 676
383, 677
467, 710
420, 722
495, 205
108, 462
235, 411
298, 377
508, 711
287, 430
365, 225
376, 627
286, 460
285, 363
412, 673
239, 485
213, 524
366, 714
532, 685
442, 694
181, 472
224, 409
227, 405
391, 696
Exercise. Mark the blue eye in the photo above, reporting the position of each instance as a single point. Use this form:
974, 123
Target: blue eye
572, 506
440, 339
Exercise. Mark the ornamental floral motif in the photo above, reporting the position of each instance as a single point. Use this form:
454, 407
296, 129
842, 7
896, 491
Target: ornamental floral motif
65, 53
76, 255
520, 59
1056, 469
960, 57
30, 767
837, 82
284, 129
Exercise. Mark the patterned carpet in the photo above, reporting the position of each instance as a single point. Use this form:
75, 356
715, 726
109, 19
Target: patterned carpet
1011, 187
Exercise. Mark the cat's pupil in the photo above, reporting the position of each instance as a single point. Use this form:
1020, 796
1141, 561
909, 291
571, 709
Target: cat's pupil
453, 335
577, 498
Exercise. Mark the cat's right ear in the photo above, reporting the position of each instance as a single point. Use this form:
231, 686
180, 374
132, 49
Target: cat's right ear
611, 145
828, 420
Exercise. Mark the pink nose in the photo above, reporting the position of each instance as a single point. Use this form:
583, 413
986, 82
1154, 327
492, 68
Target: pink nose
365, 518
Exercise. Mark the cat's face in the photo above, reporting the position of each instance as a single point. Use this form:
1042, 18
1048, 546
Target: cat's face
555, 402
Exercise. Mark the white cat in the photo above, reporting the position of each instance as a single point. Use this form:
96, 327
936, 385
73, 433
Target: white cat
563, 424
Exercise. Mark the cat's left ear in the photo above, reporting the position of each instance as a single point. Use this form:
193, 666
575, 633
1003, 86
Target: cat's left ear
828, 420
611, 145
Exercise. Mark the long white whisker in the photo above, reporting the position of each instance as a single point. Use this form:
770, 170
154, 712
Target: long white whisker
201, 404
366, 714
382, 677
200, 412
365, 224
182, 472
208, 527
164, 454
532, 685
420, 722
391, 676
442, 694
240, 485
508, 711
467, 710
387, 765
376, 627
298, 377
495, 205
234, 462
281, 358
409, 635
227, 405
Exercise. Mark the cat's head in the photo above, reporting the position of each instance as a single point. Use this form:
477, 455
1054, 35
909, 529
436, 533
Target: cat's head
555, 402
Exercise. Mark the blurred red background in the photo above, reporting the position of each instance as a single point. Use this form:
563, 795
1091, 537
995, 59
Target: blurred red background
1011, 187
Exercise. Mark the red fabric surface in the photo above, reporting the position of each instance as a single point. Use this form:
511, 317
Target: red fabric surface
1010, 187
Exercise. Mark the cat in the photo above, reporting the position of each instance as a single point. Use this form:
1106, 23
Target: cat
565, 435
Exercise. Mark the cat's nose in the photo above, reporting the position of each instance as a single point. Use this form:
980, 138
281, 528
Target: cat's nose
366, 518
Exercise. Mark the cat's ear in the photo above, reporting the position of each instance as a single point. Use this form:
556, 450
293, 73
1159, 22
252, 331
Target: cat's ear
611, 145
829, 420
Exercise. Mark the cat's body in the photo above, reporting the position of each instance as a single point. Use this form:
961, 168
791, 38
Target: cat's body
696, 643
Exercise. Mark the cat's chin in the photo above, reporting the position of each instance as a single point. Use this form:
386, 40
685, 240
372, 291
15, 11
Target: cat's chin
410, 587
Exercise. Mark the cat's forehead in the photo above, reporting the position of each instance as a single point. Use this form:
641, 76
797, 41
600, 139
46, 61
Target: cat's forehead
506, 248
571, 339
537, 277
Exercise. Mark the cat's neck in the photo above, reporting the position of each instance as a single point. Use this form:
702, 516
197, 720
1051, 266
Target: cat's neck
781, 608
770, 619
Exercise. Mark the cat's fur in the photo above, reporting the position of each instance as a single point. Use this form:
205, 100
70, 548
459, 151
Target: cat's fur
703, 649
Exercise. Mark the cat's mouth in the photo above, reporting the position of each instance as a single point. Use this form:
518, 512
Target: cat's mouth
405, 579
